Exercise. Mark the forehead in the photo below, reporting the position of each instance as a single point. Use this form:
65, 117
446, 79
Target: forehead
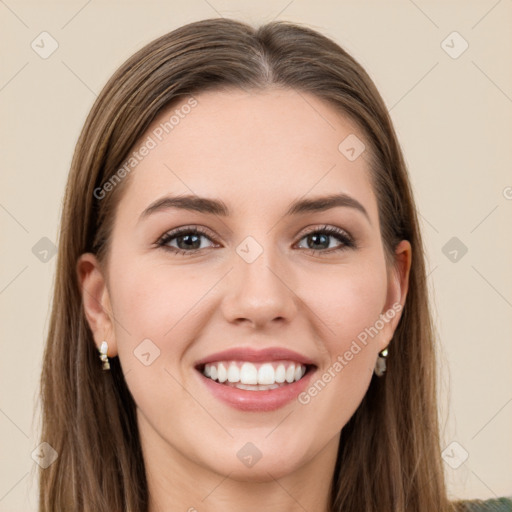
264, 148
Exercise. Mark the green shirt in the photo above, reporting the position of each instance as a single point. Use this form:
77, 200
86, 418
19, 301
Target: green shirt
492, 505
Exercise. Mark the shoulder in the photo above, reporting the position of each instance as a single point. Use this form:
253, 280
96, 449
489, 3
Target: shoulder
491, 505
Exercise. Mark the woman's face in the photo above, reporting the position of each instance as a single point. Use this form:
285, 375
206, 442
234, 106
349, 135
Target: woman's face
284, 289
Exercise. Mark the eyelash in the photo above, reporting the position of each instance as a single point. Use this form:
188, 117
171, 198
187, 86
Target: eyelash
342, 236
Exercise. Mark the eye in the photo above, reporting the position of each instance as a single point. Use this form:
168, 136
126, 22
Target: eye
320, 237
188, 240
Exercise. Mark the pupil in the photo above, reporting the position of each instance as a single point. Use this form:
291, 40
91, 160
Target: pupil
188, 243
317, 236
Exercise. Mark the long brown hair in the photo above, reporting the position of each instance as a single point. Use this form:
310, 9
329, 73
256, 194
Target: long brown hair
389, 453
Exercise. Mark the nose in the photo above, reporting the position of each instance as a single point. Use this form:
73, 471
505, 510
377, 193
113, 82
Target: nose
258, 293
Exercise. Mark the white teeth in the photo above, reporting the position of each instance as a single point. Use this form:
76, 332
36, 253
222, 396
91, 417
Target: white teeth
258, 387
248, 374
266, 374
233, 373
222, 373
254, 376
281, 373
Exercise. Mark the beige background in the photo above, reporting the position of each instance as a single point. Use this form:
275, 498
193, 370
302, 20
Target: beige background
454, 120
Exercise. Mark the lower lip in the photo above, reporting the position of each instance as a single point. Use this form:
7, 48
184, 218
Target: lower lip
268, 400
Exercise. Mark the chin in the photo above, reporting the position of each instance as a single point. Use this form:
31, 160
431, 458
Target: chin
257, 461
261, 472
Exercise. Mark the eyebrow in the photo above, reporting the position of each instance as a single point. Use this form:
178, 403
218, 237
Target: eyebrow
218, 207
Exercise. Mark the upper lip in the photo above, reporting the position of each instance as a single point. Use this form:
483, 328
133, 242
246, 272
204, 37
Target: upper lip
255, 356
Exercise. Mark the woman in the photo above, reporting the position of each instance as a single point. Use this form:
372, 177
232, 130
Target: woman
240, 319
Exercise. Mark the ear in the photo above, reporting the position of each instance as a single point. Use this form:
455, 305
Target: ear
398, 285
96, 301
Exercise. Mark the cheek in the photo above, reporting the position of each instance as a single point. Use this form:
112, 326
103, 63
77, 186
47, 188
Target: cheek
348, 302
158, 310
151, 299
155, 308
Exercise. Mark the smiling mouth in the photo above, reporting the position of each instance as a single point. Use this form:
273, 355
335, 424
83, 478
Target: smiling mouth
255, 376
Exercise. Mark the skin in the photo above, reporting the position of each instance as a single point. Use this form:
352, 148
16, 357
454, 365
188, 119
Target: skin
258, 152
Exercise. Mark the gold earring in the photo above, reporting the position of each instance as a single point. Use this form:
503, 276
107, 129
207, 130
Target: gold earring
103, 355
380, 366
